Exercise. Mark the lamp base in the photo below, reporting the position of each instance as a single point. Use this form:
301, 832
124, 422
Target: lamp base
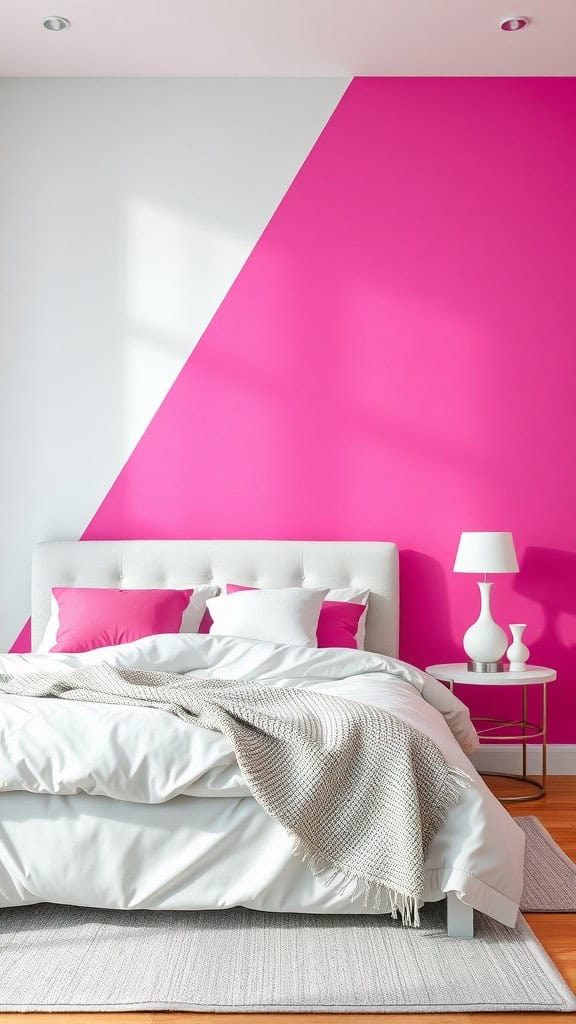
486, 666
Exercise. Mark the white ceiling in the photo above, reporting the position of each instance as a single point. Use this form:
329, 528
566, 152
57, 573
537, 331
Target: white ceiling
287, 37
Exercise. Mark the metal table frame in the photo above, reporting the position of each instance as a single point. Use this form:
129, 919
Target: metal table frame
530, 730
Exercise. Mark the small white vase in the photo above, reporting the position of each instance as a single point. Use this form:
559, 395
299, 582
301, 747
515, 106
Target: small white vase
485, 640
517, 653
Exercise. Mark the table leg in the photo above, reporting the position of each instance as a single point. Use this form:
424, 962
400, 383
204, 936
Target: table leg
544, 738
524, 723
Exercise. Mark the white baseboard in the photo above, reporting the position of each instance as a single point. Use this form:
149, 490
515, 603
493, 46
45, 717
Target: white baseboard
500, 757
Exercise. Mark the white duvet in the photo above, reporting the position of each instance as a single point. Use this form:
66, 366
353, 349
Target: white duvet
127, 807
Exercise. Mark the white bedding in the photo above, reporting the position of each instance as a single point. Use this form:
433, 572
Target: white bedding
125, 807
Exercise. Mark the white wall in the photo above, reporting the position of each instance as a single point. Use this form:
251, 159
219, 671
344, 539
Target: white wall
127, 207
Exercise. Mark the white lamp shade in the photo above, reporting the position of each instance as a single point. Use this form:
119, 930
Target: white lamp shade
486, 552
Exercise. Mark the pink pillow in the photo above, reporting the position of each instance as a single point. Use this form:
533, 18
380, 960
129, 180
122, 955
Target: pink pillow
93, 617
338, 622
205, 623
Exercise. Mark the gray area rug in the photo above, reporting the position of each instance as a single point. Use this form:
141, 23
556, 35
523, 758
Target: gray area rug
65, 958
549, 874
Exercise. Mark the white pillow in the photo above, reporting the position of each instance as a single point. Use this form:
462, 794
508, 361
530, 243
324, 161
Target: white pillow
347, 595
191, 618
287, 616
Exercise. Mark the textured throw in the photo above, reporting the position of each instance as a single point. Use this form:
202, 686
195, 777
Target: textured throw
361, 792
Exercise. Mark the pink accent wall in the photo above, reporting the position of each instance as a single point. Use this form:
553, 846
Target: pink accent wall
397, 360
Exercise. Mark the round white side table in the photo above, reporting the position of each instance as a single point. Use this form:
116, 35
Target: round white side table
458, 675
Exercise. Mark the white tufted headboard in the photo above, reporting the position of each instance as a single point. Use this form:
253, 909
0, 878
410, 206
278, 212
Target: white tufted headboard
371, 565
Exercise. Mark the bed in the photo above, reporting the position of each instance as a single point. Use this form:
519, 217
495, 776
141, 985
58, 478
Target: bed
202, 841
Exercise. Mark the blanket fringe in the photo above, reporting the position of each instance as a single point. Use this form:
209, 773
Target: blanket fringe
346, 883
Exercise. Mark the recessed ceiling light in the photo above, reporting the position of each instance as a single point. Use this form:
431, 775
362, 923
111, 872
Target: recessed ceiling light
514, 24
56, 24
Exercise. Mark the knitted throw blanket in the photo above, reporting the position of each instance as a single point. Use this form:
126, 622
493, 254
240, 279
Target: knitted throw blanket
361, 792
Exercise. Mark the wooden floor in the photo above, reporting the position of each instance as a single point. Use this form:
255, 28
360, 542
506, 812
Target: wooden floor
557, 933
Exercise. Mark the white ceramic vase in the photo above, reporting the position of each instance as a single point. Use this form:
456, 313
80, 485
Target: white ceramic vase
485, 640
517, 653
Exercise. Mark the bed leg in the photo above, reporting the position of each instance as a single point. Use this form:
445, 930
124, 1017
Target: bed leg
460, 918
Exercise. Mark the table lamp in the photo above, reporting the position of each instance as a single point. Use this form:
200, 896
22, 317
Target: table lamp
485, 641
